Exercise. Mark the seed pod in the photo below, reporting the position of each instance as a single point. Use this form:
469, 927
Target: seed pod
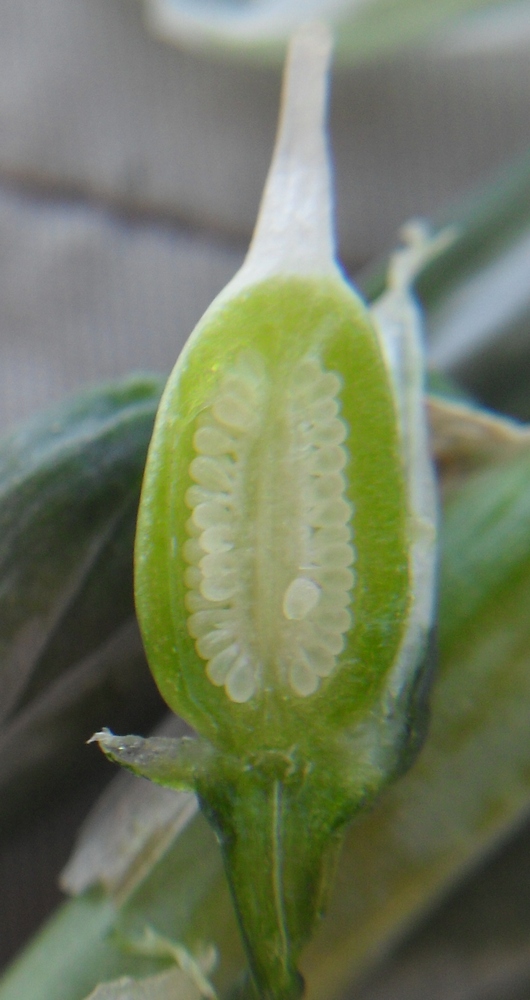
274, 580
284, 555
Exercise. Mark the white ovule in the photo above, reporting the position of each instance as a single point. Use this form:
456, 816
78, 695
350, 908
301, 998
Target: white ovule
269, 547
301, 596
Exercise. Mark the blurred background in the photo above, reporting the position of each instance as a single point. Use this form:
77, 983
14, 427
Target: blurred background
134, 142
131, 167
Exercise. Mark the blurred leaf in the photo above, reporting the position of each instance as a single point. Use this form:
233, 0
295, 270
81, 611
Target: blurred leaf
187, 982
131, 827
70, 652
173, 985
489, 222
477, 296
476, 945
465, 438
476, 293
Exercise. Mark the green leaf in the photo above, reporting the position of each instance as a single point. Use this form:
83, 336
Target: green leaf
70, 653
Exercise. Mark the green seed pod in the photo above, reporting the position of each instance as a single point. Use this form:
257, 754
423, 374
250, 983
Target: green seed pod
274, 584
284, 555
276, 565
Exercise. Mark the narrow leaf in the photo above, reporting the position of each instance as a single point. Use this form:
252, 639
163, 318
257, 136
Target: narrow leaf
70, 655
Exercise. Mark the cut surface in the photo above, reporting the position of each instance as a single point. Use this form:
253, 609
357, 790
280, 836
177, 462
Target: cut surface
269, 548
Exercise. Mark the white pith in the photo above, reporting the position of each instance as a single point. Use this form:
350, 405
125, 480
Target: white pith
269, 544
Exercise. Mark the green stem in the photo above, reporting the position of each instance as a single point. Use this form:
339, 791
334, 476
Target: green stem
276, 841
279, 820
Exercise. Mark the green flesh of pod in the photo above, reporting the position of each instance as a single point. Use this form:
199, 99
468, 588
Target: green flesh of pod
273, 520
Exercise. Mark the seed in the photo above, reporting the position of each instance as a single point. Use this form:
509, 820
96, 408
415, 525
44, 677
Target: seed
211, 441
220, 665
322, 410
334, 642
308, 373
194, 601
328, 434
302, 679
320, 660
333, 619
204, 622
193, 529
224, 541
335, 556
241, 681
217, 539
240, 385
330, 513
313, 386
233, 413
331, 535
301, 596
196, 495
218, 564
326, 487
335, 599
330, 384
211, 514
192, 577
212, 473
213, 643
332, 579
192, 551
326, 461
220, 588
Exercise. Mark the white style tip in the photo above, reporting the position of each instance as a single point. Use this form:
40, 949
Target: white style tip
294, 232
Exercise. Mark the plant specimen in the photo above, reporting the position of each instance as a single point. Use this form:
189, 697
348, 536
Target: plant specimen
285, 551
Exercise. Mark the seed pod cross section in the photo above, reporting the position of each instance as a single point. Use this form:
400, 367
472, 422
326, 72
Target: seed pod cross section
285, 546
